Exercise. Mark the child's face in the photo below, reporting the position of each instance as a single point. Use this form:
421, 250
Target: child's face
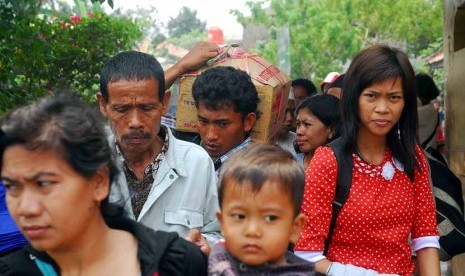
258, 227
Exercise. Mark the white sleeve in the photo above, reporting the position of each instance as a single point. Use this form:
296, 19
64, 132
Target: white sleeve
424, 242
338, 269
311, 256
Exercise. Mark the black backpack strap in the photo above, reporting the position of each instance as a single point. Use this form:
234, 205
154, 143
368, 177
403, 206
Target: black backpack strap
344, 181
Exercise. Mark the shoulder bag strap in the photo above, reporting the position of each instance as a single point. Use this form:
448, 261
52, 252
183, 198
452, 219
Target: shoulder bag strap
344, 181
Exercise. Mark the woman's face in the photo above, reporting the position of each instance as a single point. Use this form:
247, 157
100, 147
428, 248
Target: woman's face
52, 204
311, 132
380, 107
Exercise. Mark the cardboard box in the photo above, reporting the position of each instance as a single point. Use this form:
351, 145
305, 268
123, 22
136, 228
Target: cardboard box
272, 86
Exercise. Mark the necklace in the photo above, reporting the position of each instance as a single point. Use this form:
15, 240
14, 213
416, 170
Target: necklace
362, 157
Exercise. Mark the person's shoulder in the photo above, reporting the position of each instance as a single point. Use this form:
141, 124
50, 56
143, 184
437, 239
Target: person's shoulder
220, 261
299, 266
18, 263
324, 152
218, 248
421, 157
164, 251
181, 257
189, 149
188, 145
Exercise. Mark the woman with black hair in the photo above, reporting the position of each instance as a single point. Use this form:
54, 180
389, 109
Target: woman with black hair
390, 197
318, 122
57, 168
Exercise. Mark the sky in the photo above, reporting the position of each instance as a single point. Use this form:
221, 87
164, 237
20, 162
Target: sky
214, 12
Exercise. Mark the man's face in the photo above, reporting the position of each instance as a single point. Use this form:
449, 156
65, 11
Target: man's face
299, 94
134, 111
222, 129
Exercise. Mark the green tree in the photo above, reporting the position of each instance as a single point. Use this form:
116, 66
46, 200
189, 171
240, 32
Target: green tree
325, 34
185, 22
48, 50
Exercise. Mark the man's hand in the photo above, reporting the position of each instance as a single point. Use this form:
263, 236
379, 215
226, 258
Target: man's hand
198, 55
194, 59
195, 237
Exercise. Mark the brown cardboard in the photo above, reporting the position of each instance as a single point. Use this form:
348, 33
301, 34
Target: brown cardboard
272, 86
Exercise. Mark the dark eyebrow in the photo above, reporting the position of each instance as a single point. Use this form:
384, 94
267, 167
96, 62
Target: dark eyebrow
272, 209
215, 121
202, 118
119, 105
221, 121
32, 178
6, 178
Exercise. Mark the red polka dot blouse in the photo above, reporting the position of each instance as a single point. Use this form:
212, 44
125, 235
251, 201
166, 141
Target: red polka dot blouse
382, 210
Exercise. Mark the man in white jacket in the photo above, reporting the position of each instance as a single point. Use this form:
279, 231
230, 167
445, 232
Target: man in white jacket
166, 184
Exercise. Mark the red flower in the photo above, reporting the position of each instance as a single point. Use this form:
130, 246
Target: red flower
75, 19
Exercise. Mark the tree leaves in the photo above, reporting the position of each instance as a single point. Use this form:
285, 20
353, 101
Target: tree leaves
110, 2
186, 22
325, 34
39, 54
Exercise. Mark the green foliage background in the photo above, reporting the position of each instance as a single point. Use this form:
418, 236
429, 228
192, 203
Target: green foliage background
42, 50
325, 34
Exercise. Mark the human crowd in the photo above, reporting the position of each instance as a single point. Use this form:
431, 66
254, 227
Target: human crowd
122, 194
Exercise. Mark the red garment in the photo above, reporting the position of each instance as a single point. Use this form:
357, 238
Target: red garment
373, 227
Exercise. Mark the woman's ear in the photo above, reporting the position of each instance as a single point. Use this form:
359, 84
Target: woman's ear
331, 132
101, 182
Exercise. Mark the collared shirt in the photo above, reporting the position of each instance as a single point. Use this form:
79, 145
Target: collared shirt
139, 190
218, 162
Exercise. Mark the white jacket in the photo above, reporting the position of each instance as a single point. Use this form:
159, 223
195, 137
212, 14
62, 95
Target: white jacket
183, 195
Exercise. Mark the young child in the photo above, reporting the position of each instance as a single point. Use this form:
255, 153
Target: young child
260, 195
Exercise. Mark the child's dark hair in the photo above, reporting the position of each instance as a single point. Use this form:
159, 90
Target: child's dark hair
262, 163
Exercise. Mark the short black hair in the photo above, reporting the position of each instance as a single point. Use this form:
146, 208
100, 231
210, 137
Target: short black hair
307, 84
132, 66
426, 86
65, 124
262, 163
226, 86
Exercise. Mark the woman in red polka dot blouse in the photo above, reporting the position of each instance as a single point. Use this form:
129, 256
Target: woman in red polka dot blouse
390, 198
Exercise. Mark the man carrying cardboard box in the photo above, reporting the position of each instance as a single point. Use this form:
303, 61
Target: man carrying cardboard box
226, 102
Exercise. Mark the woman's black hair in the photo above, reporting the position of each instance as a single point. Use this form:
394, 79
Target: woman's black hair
370, 66
65, 124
